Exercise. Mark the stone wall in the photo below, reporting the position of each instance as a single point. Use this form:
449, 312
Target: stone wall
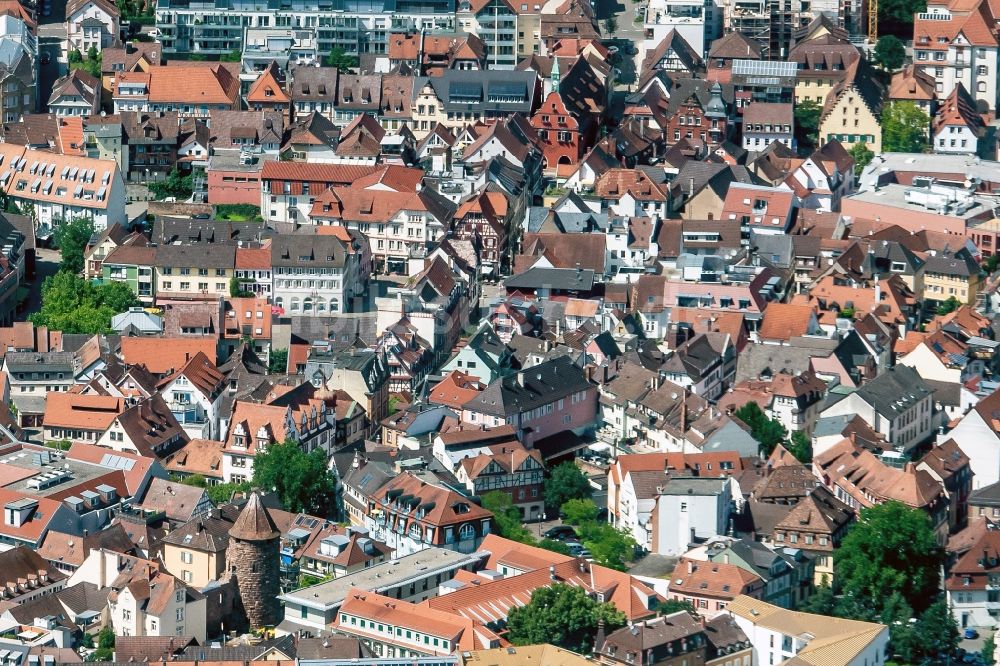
255, 565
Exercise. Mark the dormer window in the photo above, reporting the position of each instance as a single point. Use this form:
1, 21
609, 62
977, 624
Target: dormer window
240, 441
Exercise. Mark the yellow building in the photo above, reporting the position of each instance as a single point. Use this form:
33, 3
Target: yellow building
196, 271
196, 551
853, 111
948, 275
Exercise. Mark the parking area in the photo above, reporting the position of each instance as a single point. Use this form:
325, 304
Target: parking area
974, 646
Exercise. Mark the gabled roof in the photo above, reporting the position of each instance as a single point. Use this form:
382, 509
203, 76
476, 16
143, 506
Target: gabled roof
673, 44
735, 45
912, 83
268, 88
831, 641
959, 110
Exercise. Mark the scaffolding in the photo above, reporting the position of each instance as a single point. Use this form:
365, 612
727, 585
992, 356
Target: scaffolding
772, 23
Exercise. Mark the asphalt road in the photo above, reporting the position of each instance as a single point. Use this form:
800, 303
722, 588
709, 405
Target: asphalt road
46, 264
51, 43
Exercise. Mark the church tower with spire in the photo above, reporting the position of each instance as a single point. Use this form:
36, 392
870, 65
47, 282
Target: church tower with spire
253, 559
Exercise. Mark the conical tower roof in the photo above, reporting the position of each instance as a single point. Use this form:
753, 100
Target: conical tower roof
254, 522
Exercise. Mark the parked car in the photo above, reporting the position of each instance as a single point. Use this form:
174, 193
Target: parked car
560, 533
970, 633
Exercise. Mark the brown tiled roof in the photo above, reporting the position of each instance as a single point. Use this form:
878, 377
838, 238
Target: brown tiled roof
22, 570
203, 375
209, 534
128, 55
783, 321
912, 83
465, 634
870, 481
267, 89
166, 355
84, 412
177, 500
456, 389
151, 426
73, 6
254, 522
736, 46
199, 456
150, 649
181, 83
72, 549
491, 601
716, 580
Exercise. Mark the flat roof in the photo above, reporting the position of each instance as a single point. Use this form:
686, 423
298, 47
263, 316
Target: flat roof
928, 163
18, 468
895, 195
381, 577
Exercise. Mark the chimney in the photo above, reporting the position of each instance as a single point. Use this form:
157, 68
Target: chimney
600, 637
690, 567
552, 572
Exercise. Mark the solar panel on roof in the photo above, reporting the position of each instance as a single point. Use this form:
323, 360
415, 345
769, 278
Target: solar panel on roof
465, 90
764, 68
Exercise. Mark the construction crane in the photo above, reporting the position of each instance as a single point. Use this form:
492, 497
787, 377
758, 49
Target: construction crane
872, 21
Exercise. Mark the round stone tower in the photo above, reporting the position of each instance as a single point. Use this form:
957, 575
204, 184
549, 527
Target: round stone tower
253, 557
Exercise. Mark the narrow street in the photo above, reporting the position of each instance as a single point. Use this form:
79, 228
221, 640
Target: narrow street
46, 264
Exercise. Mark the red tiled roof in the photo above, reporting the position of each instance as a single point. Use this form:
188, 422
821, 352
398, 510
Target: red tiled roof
164, 355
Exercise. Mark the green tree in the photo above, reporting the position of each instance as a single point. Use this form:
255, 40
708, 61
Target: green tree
233, 56
579, 511
300, 479
235, 291
73, 305
896, 15
670, 606
340, 59
195, 480
105, 645
608, 545
768, 432
862, 157
989, 651
807, 115
74, 57
610, 26
174, 185
277, 361
71, 239
801, 447
904, 128
508, 518
223, 492
991, 263
822, 601
554, 546
116, 296
890, 549
948, 306
563, 615
889, 53
936, 630
565, 483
